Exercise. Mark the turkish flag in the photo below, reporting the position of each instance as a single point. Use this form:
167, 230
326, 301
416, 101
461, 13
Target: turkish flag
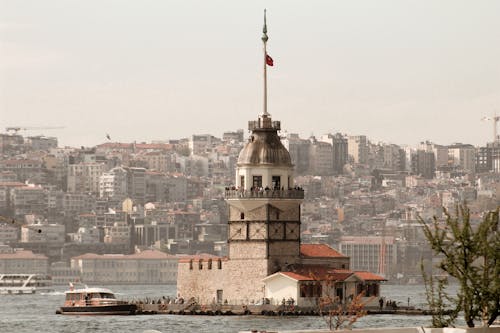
269, 60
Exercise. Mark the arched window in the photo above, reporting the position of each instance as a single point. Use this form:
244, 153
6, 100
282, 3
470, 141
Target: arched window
191, 264
219, 263
242, 216
200, 264
209, 263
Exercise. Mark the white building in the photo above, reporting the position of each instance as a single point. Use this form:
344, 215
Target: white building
113, 184
23, 261
150, 266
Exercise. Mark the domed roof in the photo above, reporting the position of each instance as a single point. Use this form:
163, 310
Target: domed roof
264, 147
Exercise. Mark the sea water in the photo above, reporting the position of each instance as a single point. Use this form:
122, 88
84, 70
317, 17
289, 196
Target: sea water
37, 313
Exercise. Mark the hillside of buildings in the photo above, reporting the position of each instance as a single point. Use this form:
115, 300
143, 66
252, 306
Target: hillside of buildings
126, 212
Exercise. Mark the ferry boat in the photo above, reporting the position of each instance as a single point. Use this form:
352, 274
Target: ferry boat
18, 284
94, 301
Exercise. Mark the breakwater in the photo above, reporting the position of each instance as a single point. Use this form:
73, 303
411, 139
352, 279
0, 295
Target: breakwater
192, 308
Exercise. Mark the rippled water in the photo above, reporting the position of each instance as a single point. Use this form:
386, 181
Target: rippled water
36, 313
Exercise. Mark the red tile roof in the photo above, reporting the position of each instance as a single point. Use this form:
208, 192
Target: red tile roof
11, 184
368, 276
319, 250
297, 277
320, 272
22, 254
144, 255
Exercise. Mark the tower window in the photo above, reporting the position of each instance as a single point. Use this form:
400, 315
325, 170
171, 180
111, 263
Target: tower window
200, 264
242, 182
191, 264
257, 181
242, 216
209, 263
276, 180
219, 264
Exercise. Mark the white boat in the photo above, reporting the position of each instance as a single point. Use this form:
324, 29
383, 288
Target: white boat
94, 301
18, 284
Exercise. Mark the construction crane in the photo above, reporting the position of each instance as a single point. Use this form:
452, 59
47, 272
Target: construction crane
495, 120
16, 129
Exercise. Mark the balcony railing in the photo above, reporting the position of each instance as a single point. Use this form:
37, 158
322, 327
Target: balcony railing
259, 194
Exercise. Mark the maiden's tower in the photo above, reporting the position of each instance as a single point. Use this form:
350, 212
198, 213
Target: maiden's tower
264, 247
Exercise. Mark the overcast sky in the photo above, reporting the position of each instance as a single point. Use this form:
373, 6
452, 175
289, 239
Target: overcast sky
397, 71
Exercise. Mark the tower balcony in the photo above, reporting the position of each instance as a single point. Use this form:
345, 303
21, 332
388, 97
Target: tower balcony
264, 124
294, 193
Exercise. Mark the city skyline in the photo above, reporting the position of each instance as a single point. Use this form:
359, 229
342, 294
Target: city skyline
395, 73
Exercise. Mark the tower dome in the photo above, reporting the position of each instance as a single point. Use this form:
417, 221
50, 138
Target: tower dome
264, 146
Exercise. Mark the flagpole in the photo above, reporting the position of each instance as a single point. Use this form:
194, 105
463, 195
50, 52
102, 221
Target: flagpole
264, 39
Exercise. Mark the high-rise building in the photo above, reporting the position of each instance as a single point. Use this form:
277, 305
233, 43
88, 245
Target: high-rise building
357, 147
339, 151
299, 152
320, 158
423, 164
113, 184
84, 177
488, 158
462, 157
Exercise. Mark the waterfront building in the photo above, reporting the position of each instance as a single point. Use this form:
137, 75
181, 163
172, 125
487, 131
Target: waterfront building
22, 261
62, 273
146, 267
376, 254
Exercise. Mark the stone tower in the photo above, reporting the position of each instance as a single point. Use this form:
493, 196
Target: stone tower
264, 207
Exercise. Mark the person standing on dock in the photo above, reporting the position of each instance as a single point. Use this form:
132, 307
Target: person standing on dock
381, 303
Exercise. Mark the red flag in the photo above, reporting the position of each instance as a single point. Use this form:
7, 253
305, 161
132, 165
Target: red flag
269, 60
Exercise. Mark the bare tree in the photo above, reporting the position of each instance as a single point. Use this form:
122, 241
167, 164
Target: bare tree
337, 315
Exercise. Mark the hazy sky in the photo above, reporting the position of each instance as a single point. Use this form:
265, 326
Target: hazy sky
397, 71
